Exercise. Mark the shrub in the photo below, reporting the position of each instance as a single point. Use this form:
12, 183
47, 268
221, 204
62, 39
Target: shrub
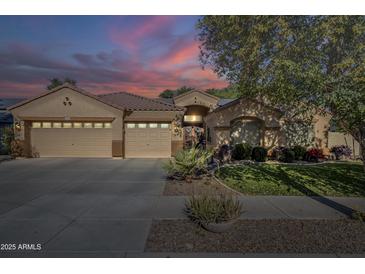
259, 154
188, 162
283, 154
313, 154
242, 151
277, 152
224, 153
17, 148
288, 156
299, 152
212, 209
5, 140
341, 151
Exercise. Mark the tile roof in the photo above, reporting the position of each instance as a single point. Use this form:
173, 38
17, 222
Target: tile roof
65, 85
132, 102
119, 100
224, 101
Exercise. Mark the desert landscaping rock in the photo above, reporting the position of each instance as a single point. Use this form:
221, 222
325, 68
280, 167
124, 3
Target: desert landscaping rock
261, 236
197, 187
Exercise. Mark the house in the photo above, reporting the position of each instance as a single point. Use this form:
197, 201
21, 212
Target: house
6, 119
70, 122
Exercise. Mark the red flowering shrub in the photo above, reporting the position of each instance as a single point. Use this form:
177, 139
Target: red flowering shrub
313, 154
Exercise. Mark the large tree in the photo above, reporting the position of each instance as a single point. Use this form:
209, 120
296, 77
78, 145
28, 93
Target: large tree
55, 82
230, 92
298, 63
168, 93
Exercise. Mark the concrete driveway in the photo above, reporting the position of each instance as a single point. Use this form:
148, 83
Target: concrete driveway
80, 207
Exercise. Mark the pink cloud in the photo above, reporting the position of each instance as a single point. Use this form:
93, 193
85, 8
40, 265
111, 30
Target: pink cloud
178, 55
129, 38
20, 90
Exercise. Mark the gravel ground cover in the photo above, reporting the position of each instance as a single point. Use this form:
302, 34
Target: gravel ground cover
260, 236
202, 186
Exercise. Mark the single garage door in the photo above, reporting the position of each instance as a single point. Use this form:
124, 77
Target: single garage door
71, 139
147, 140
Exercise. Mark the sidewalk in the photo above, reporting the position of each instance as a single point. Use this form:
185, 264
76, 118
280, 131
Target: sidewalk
299, 207
274, 207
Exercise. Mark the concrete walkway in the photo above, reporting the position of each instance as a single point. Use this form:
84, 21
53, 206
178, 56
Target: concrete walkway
105, 207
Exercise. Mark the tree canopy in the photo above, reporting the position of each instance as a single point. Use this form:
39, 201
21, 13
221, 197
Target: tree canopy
296, 63
55, 82
168, 93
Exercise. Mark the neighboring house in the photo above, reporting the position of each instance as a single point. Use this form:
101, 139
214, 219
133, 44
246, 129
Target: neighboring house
6, 119
69, 122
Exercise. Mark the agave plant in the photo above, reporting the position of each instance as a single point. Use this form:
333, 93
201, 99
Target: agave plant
188, 162
207, 209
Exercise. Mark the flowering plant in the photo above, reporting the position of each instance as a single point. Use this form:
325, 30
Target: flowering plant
341, 151
313, 154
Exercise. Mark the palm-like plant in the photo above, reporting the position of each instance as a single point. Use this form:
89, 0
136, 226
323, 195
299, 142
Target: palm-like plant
188, 162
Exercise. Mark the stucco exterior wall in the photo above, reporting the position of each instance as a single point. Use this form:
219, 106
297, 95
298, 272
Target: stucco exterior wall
151, 116
339, 138
196, 98
220, 122
244, 108
321, 126
82, 108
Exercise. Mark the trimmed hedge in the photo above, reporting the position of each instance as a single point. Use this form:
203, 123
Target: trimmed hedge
299, 152
288, 156
242, 152
259, 154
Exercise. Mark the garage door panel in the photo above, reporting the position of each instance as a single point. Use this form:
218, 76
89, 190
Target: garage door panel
72, 142
148, 143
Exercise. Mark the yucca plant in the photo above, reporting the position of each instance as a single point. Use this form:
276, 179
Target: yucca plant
208, 209
188, 162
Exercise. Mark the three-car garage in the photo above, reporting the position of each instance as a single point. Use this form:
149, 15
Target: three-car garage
69, 122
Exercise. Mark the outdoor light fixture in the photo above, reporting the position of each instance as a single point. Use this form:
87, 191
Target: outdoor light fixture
193, 118
18, 126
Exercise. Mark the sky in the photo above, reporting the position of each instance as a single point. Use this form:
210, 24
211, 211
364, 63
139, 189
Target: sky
139, 54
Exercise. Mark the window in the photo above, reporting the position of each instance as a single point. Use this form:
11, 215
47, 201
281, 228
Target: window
164, 125
46, 125
142, 125
107, 125
209, 135
88, 125
77, 125
36, 125
130, 125
153, 125
98, 125
67, 125
57, 125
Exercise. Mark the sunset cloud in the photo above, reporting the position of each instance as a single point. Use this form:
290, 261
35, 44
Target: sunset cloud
140, 54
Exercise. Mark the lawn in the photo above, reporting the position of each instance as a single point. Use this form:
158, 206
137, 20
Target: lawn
332, 179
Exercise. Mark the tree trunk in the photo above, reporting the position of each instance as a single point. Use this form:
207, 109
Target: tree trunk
362, 145
362, 148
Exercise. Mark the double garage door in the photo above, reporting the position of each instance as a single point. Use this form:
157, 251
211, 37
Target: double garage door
72, 139
94, 139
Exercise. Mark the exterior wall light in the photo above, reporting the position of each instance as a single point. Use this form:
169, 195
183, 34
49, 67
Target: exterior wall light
193, 118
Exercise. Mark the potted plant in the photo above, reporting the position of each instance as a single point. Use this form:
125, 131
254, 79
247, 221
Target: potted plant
214, 213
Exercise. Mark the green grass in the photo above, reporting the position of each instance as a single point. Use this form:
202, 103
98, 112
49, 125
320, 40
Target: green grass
332, 179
